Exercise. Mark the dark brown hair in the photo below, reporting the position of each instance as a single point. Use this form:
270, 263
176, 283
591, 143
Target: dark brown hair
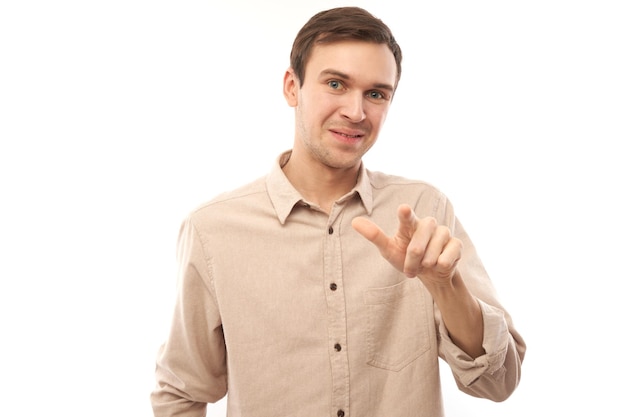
339, 24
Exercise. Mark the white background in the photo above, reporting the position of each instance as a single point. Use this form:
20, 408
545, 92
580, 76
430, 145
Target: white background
119, 117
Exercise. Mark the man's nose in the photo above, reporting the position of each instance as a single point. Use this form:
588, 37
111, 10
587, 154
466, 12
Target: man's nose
352, 108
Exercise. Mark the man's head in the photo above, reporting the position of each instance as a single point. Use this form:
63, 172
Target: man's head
352, 66
341, 24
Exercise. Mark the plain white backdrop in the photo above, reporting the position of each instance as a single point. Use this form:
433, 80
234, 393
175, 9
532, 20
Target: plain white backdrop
119, 117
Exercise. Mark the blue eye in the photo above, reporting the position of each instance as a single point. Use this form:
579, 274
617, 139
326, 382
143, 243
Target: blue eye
377, 95
334, 84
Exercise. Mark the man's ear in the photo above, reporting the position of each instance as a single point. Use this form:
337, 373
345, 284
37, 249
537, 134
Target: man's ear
290, 87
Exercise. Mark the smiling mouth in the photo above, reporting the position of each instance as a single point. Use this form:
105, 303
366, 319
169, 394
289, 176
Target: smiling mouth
348, 136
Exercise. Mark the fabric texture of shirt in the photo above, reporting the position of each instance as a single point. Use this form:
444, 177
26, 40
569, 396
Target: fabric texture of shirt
291, 312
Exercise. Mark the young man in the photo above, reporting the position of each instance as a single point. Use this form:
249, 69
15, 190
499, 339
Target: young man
324, 289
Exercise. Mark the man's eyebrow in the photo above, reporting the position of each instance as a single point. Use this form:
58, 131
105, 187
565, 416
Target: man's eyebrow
336, 73
345, 76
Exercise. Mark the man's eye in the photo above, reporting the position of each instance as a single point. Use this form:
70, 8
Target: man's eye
377, 95
334, 84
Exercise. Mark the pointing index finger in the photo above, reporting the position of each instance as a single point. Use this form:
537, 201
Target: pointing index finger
408, 222
370, 231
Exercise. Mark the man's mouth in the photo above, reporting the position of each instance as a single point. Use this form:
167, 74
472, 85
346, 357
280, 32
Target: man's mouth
348, 135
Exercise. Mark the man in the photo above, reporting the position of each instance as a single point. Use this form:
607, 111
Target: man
324, 289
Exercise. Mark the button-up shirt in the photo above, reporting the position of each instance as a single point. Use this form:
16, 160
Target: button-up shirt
291, 312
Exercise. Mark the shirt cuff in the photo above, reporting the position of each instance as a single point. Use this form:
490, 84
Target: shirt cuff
495, 342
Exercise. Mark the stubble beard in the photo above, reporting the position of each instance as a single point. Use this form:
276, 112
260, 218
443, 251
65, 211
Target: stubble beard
326, 155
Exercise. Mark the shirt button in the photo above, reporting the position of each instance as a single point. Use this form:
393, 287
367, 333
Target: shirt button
330, 230
340, 413
337, 347
333, 287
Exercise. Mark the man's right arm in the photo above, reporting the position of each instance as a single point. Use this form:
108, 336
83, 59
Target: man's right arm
191, 365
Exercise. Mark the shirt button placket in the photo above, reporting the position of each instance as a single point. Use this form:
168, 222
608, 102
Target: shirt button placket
337, 321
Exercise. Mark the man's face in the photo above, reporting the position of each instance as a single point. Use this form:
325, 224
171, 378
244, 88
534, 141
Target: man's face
343, 102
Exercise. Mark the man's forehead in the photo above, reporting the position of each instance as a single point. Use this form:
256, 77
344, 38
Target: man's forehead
354, 59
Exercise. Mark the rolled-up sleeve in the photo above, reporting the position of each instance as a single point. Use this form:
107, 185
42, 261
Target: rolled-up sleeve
493, 375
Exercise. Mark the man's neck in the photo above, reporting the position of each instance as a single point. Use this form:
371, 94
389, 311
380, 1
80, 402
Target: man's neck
320, 184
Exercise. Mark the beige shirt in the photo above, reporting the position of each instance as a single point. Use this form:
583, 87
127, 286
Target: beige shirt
291, 312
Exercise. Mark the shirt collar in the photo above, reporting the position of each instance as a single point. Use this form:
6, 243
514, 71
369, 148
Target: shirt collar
284, 196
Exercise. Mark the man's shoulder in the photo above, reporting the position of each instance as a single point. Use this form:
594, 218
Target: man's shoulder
380, 180
426, 199
250, 194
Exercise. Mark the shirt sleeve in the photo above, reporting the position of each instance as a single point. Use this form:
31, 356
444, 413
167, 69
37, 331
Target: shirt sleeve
191, 365
496, 374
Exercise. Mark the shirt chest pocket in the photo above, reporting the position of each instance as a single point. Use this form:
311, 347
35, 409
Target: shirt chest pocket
398, 328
